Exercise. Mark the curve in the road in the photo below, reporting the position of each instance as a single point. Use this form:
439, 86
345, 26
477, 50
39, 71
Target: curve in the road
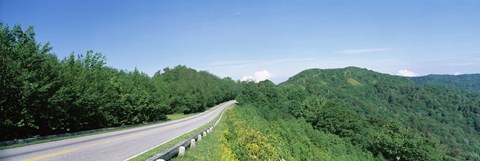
119, 145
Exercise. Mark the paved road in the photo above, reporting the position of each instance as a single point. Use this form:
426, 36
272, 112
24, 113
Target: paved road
119, 145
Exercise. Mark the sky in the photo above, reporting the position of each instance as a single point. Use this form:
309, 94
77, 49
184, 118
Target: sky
261, 39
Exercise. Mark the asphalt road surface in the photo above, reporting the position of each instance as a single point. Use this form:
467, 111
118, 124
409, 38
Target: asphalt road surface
119, 145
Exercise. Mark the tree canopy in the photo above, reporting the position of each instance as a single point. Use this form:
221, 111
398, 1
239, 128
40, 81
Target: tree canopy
337, 114
386, 116
42, 95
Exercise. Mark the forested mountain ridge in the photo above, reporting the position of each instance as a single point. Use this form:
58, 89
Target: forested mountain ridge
470, 82
449, 115
329, 114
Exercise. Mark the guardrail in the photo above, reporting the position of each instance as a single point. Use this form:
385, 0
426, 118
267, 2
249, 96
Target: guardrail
179, 149
38, 138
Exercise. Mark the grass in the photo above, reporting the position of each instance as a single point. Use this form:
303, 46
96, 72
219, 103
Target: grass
208, 148
175, 141
170, 117
353, 82
177, 116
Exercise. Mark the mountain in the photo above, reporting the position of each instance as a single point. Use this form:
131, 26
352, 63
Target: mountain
444, 113
387, 117
470, 82
330, 114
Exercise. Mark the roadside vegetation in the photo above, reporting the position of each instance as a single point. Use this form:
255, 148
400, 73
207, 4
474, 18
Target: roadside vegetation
173, 142
349, 114
390, 117
256, 133
209, 148
44, 95
332, 114
170, 117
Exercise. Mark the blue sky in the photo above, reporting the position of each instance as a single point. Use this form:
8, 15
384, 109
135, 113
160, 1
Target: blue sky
261, 39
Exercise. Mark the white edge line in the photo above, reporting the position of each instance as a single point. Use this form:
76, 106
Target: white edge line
167, 140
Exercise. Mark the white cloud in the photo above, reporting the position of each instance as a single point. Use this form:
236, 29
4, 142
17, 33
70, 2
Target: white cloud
406, 73
258, 76
248, 78
283, 68
364, 51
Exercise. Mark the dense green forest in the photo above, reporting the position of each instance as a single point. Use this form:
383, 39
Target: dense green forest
331, 114
385, 116
469, 82
42, 95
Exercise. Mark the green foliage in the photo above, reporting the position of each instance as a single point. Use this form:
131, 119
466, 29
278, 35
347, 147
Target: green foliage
414, 122
334, 114
248, 143
470, 82
40, 95
212, 147
389, 116
190, 91
258, 133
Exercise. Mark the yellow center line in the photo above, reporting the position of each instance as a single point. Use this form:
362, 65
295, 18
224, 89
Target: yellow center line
81, 147
94, 144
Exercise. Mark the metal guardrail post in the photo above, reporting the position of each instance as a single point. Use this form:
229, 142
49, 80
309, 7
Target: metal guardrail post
174, 151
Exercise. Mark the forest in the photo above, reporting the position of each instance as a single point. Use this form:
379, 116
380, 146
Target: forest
469, 82
328, 114
377, 116
42, 94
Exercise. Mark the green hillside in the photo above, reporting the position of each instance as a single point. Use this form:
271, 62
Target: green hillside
447, 115
319, 114
387, 116
470, 82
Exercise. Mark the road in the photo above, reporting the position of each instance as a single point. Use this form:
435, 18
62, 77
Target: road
119, 145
